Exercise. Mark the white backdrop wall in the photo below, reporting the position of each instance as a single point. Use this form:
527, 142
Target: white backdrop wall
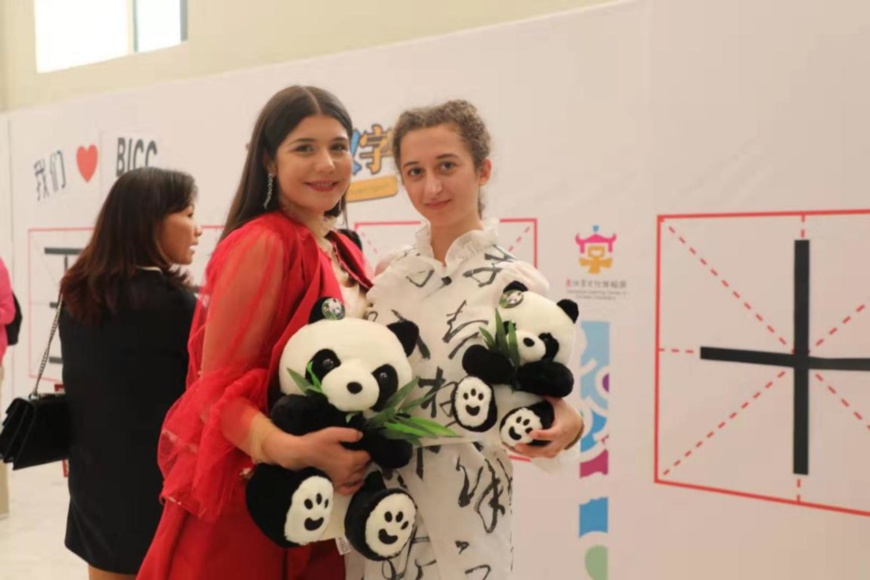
556, 137
758, 117
659, 164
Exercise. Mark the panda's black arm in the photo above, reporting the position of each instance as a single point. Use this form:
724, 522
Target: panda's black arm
489, 366
386, 453
301, 414
545, 378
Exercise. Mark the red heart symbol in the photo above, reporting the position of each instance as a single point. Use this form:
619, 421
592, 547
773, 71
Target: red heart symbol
87, 161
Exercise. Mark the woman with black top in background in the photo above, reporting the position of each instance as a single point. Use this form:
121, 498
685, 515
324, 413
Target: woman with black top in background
125, 318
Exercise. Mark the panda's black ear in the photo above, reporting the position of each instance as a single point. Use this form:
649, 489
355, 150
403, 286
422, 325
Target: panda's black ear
326, 308
515, 285
570, 308
407, 333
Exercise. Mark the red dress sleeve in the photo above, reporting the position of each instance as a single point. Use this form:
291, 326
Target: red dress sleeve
260, 284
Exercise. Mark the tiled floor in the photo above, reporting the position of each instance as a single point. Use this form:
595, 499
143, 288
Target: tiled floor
31, 538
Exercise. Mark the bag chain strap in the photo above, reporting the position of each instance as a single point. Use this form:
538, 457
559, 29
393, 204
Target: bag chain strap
34, 393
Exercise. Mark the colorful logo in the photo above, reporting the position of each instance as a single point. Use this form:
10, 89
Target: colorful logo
596, 251
594, 457
371, 147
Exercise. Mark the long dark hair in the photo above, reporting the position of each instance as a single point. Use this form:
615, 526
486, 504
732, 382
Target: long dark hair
125, 236
284, 111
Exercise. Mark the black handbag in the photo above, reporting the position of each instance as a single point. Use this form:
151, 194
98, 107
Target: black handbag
36, 430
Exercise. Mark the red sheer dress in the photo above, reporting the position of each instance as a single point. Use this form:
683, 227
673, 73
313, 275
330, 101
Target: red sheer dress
260, 286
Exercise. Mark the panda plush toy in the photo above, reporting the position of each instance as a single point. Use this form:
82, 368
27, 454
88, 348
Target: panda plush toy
357, 367
527, 359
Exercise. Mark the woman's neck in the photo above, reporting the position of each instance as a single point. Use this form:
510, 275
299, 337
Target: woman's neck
317, 223
444, 236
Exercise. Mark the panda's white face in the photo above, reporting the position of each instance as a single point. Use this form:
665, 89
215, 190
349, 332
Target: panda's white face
390, 524
309, 511
544, 330
531, 347
359, 363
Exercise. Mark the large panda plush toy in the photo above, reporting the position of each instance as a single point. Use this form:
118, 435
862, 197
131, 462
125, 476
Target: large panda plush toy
357, 366
506, 381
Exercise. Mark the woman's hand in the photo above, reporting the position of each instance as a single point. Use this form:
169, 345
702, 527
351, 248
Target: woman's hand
566, 430
324, 450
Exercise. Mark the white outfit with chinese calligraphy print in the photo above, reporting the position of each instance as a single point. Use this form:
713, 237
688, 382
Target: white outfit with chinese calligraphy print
462, 487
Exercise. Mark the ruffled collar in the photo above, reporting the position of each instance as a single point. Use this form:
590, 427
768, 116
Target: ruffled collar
464, 247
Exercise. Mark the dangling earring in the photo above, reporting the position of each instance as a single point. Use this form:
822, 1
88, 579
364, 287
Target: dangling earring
269, 191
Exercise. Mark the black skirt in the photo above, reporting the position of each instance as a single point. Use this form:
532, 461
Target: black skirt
121, 376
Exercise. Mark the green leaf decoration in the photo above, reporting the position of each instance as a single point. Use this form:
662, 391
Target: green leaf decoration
395, 421
432, 427
500, 337
504, 342
402, 428
512, 346
303, 384
387, 434
419, 400
309, 370
488, 339
401, 394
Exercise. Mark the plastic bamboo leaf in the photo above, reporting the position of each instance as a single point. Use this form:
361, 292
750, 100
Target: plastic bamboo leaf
401, 395
402, 428
513, 346
500, 338
303, 383
309, 371
433, 427
415, 441
419, 401
488, 339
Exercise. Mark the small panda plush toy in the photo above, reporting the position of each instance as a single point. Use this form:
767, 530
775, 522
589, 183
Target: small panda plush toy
526, 357
342, 372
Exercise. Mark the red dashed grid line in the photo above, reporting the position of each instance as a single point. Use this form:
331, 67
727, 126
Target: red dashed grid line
519, 238
689, 351
366, 239
844, 322
798, 498
803, 230
746, 304
855, 413
724, 423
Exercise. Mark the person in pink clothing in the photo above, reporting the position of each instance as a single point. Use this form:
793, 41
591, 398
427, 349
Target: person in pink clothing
7, 313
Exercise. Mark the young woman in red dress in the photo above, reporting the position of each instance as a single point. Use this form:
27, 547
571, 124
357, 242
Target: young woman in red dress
278, 254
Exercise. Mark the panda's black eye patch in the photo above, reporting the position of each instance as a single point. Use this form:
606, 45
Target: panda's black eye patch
551, 345
322, 362
388, 384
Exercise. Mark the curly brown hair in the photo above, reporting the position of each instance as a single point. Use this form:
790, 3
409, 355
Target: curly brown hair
457, 112
472, 130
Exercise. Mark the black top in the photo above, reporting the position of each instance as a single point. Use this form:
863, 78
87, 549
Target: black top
121, 376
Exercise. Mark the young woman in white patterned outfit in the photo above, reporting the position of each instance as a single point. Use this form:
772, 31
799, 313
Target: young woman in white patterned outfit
449, 283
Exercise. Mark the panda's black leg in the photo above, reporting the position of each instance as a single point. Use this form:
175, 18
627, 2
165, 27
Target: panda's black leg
519, 423
379, 521
292, 508
474, 406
